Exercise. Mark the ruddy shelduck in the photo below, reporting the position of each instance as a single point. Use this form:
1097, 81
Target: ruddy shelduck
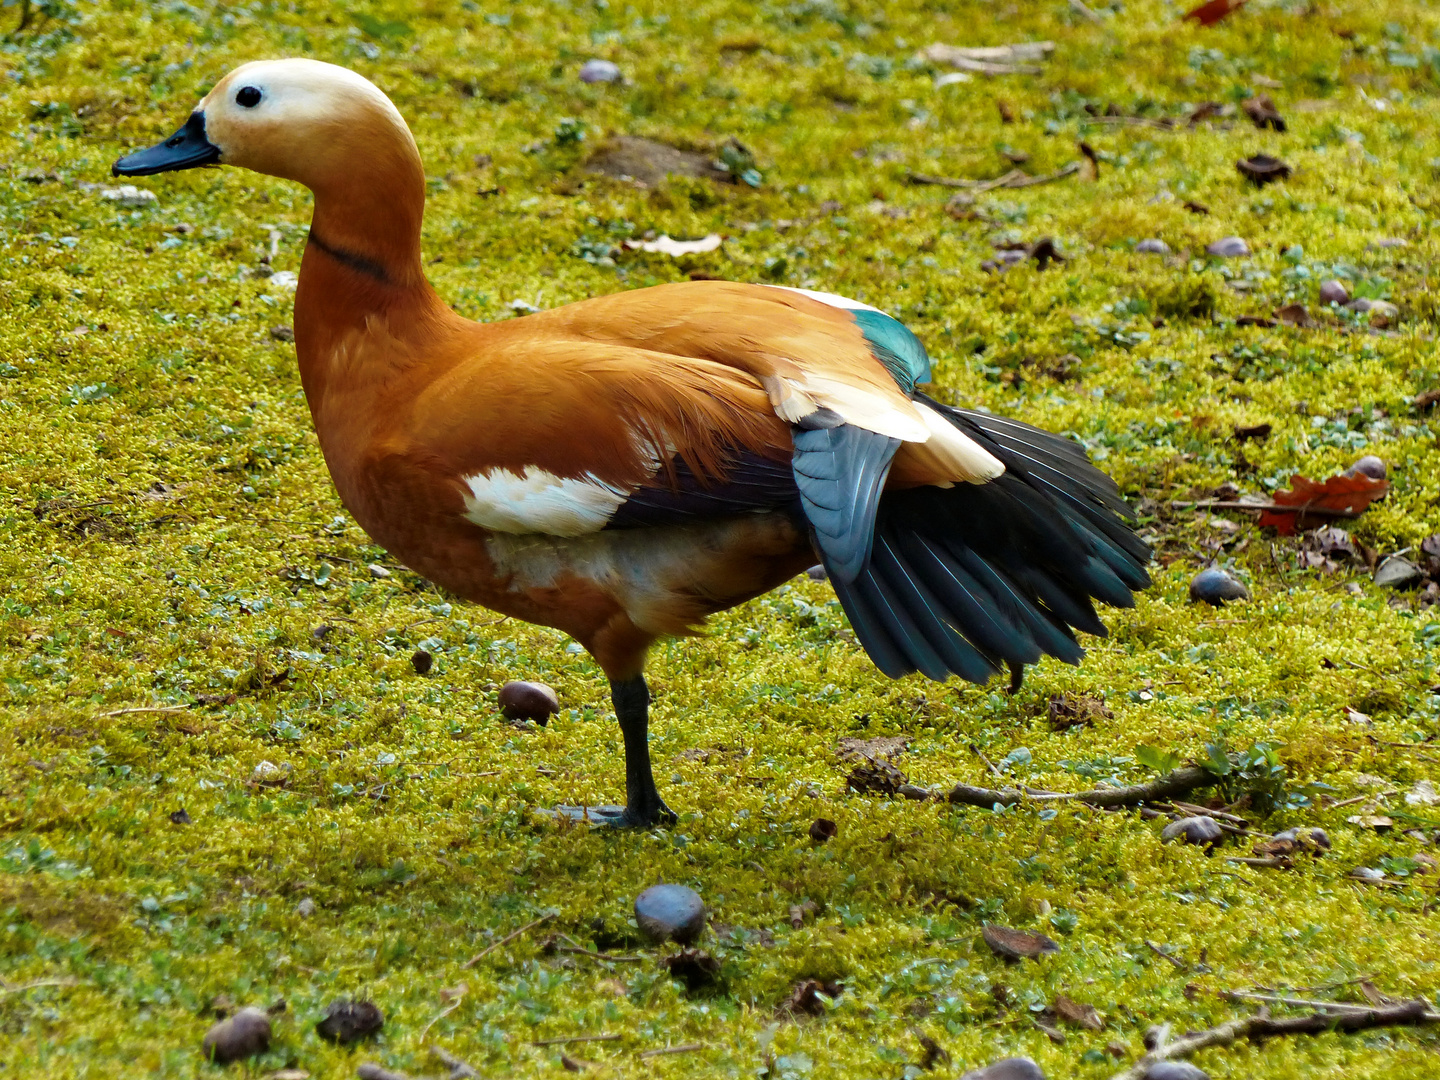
623, 467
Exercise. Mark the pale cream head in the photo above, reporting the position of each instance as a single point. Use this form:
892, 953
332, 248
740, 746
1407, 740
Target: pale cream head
304, 120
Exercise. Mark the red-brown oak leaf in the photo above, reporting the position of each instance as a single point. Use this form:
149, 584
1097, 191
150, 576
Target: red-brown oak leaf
1212, 12
1339, 496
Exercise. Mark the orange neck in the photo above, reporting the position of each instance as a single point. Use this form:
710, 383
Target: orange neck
362, 273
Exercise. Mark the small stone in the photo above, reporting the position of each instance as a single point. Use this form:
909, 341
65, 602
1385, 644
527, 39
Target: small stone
1175, 1070
1152, 247
281, 333
670, 911
283, 280
823, 830
305, 908
1014, 945
378, 571
128, 195
529, 701
421, 661
243, 1035
1398, 572
1216, 588
817, 573
1018, 1068
1370, 466
601, 71
1204, 831
1334, 292
1361, 304
1230, 247
350, 1021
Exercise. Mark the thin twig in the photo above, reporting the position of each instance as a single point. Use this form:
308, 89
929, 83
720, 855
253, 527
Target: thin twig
684, 1048
506, 940
1268, 861
441, 1015
143, 709
1178, 782
1180, 965
18, 988
1362, 798
1015, 178
574, 1039
459, 1069
589, 954
1299, 1003
1300, 511
1081, 9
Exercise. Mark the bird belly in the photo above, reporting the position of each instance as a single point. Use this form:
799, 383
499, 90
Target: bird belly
666, 579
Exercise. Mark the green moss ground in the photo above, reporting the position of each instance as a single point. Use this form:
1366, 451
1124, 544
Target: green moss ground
168, 525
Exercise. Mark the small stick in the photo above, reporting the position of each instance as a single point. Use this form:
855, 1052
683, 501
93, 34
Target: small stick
1362, 798
1221, 814
1268, 860
1180, 965
684, 1048
1178, 782
19, 988
143, 709
574, 1039
1261, 1026
600, 957
441, 1015
1302, 1003
506, 940
1079, 7
459, 1070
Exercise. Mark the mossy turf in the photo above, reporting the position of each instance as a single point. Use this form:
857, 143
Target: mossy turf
172, 544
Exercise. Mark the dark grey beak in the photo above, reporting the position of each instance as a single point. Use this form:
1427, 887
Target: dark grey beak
188, 148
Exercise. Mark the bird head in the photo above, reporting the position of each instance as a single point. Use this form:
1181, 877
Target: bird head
302, 120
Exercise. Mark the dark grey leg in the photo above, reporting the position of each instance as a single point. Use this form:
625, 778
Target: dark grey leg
644, 807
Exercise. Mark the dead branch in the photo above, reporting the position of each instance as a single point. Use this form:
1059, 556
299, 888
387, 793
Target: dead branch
1177, 782
1263, 1026
1231, 504
1015, 178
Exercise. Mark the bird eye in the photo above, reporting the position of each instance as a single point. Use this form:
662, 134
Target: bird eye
249, 97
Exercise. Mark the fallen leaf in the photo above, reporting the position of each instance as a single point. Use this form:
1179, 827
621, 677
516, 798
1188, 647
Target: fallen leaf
1013, 945
1422, 794
1294, 315
1262, 169
1090, 167
1204, 111
882, 747
1054, 1034
1373, 995
877, 776
1371, 821
1262, 112
1017, 59
1208, 14
1083, 1015
934, 1053
1195, 207
1254, 320
1426, 398
1076, 710
1355, 716
664, 245
1339, 496
809, 997
1258, 432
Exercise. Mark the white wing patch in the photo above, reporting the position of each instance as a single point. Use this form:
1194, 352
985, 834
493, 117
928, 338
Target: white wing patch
536, 501
829, 298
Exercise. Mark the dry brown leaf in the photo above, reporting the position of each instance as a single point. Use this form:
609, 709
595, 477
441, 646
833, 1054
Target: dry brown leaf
1208, 14
1083, 1015
1015, 945
1339, 496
